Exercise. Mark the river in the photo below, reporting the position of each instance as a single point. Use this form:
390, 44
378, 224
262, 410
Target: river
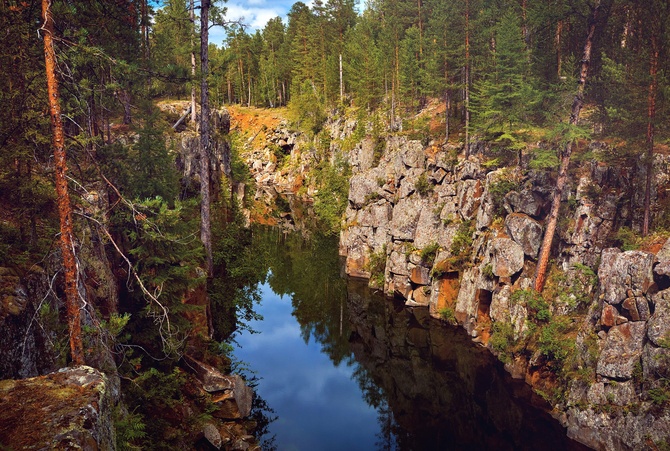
342, 368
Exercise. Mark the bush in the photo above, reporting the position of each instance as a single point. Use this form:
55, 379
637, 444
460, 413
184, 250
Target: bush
429, 253
331, 199
537, 306
554, 342
498, 190
423, 185
447, 314
502, 338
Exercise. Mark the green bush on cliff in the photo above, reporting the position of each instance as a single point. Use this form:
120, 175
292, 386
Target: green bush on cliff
555, 341
502, 339
331, 199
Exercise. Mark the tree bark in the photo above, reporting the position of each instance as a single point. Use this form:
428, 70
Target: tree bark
205, 141
63, 196
192, 17
467, 78
651, 116
561, 181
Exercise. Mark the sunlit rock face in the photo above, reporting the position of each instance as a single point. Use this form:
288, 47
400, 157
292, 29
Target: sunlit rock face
487, 225
68, 409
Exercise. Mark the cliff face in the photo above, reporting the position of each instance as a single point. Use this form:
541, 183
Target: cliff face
461, 239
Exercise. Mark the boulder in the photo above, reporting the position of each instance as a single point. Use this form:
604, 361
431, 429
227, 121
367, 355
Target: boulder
361, 187
398, 263
525, 231
412, 154
234, 403
405, 218
507, 257
69, 409
420, 275
427, 228
625, 274
421, 296
658, 327
525, 201
469, 194
623, 348
466, 302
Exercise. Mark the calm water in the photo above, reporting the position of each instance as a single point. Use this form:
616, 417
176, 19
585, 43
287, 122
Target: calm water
346, 370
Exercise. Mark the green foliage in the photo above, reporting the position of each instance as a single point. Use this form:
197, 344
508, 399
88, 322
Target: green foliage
429, 253
423, 186
502, 339
307, 109
627, 239
537, 306
498, 190
487, 271
659, 395
377, 266
447, 314
332, 197
116, 323
165, 251
544, 159
130, 429
555, 342
462, 242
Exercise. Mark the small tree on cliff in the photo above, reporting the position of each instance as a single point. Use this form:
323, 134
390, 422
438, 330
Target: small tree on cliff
63, 196
565, 154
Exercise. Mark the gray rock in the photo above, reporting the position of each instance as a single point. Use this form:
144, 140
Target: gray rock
405, 217
525, 231
507, 257
663, 255
525, 201
623, 348
212, 435
469, 197
658, 327
377, 214
655, 363
427, 228
398, 263
413, 155
469, 169
234, 403
361, 187
467, 303
625, 274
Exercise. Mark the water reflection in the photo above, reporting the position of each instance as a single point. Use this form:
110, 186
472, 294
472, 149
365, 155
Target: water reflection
343, 369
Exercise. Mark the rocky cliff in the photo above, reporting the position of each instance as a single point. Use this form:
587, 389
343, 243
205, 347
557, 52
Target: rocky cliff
460, 237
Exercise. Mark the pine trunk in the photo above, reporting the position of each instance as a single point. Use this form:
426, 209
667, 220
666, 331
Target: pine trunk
63, 196
205, 217
561, 181
651, 116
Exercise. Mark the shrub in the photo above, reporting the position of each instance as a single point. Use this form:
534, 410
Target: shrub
447, 314
498, 190
502, 338
429, 253
423, 185
554, 342
537, 306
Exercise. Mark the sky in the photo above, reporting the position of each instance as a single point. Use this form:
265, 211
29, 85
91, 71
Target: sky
256, 14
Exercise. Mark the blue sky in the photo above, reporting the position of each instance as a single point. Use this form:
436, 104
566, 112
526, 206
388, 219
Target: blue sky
256, 14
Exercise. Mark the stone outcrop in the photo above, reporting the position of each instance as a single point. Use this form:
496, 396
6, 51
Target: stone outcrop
68, 409
486, 245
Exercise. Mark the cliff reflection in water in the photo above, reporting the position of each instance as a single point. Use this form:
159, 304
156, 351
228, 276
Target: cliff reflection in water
435, 389
431, 386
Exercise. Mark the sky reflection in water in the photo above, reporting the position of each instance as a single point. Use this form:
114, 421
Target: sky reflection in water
318, 405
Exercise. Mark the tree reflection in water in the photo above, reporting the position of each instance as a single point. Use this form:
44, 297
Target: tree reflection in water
431, 386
